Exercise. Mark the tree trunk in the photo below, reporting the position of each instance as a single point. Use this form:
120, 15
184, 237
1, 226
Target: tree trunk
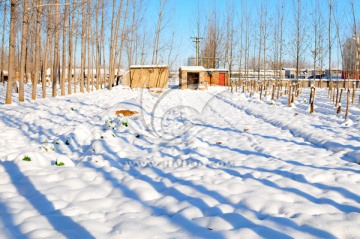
97, 45
71, 36
88, 23
12, 42
45, 60
298, 39
63, 64
347, 104
56, 62
83, 40
2, 57
329, 38
112, 46
102, 45
123, 34
75, 80
24, 37
158, 31
37, 49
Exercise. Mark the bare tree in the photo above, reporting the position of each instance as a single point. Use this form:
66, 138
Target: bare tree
230, 32
102, 37
278, 40
2, 56
159, 28
11, 61
37, 49
88, 40
212, 41
97, 45
247, 41
299, 35
262, 14
115, 44
123, 33
281, 41
71, 19
329, 39
318, 25
56, 61
357, 43
265, 36
47, 52
76, 77
63, 57
112, 45
132, 34
83, 40
64, 36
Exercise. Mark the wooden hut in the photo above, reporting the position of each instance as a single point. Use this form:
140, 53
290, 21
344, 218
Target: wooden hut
192, 77
217, 77
3, 75
149, 76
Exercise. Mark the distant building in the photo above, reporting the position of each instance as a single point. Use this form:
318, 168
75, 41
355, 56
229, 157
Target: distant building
289, 72
197, 77
335, 72
351, 58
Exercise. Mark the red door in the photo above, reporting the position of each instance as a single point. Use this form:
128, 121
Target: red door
221, 78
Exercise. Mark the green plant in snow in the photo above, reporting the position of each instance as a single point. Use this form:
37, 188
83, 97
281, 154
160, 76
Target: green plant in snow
59, 163
26, 158
72, 109
125, 124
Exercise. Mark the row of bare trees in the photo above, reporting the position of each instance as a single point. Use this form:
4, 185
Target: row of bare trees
269, 36
76, 45
82, 44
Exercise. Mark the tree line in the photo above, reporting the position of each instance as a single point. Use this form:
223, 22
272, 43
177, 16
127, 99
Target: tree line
269, 35
85, 43
76, 45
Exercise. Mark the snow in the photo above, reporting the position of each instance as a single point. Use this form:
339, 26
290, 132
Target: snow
149, 66
191, 164
192, 68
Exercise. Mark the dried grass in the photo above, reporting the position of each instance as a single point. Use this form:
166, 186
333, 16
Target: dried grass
126, 113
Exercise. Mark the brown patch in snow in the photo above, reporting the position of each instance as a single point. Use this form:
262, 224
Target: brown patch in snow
126, 113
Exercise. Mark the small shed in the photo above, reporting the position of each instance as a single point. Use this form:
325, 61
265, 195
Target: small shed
192, 77
3, 76
149, 76
218, 77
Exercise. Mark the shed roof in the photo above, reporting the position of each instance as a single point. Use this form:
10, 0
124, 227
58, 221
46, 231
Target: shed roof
192, 68
148, 66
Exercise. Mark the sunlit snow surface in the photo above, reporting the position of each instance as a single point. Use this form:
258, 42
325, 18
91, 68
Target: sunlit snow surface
191, 164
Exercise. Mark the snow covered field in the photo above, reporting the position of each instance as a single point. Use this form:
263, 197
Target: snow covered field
192, 164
